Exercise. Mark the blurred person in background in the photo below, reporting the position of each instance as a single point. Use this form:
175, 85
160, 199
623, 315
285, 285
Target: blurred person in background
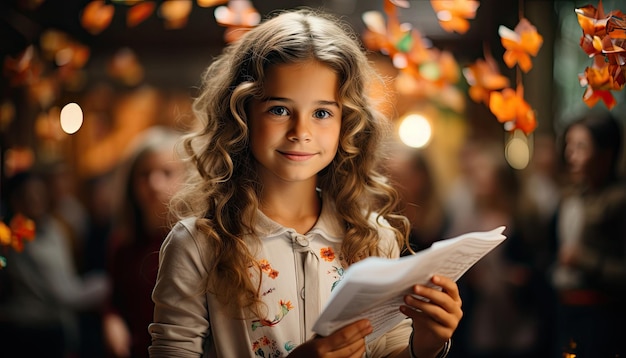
67, 207
500, 299
590, 267
151, 174
39, 310
98, 192
410, 173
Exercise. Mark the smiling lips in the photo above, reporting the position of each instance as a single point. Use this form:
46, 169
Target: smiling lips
297, 156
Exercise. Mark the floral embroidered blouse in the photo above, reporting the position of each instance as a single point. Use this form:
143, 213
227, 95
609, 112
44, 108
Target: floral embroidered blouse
299, 273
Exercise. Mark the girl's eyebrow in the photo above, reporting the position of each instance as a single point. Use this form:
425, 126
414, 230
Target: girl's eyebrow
282, 99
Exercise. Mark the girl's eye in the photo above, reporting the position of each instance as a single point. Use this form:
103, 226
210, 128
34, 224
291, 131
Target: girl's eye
279, 111
322, 114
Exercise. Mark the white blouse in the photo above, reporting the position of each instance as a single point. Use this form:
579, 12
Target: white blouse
298, 275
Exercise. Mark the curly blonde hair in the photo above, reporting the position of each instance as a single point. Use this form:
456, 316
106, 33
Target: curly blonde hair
224, 191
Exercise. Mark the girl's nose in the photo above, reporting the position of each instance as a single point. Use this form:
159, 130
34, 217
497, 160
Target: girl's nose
300, 131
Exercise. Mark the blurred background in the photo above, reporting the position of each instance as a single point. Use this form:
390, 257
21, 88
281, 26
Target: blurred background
83, 80
131, 69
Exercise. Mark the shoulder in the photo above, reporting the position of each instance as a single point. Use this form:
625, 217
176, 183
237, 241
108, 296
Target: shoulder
185, 243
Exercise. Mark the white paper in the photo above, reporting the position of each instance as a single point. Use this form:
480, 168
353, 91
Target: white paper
375, 287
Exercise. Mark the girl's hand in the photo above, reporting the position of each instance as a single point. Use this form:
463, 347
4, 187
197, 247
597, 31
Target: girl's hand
435, 315
348, 341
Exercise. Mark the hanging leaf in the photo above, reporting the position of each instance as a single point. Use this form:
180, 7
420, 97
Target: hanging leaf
484, 77
520, 44
453, 15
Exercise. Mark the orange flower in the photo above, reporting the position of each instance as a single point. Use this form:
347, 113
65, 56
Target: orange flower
267, 268
599, 29
616, 26
503, 104
286, 304
453, 14
388, 37
520, 44
484, 77
265, 265
510, 106
526, 119
599, 83
592, 20
327, 253
272, 274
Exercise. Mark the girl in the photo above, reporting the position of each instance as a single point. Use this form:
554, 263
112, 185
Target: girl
286, 196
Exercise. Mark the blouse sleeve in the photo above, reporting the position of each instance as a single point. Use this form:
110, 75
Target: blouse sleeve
393, 342
181, 318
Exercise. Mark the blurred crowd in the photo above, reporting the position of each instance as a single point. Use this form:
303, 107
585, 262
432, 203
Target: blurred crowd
82, 287
557, 284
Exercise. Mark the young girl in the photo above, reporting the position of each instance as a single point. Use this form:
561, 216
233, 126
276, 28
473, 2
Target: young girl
286, 196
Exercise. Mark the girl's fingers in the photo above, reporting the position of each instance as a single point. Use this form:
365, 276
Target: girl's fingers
354, 349
441, 305
346, 339
448, 286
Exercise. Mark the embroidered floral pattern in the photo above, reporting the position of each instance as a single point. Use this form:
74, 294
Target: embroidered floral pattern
289, 346
267, 269
327, 253
285, 307
265, 347
337, 273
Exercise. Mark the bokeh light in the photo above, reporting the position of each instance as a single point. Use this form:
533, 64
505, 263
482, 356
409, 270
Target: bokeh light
517, 152
71, 118
415, 131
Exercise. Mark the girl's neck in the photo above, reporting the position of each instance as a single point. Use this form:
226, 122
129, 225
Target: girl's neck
296, 206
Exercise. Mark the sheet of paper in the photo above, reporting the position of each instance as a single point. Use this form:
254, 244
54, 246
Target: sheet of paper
374, 288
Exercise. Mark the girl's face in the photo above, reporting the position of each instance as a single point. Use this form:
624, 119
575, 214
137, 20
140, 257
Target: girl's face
579, 151
294, 128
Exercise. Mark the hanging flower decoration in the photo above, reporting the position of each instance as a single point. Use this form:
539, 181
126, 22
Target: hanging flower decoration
424, 71
20, 228
453, 15
520, 44
512, 110
488, 86
604, 40
484, 77
238, 17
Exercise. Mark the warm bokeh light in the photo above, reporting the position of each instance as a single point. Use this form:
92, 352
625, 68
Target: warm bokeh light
18, 159
517, 152
415, 131
71, 118
175, 13
210, 3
